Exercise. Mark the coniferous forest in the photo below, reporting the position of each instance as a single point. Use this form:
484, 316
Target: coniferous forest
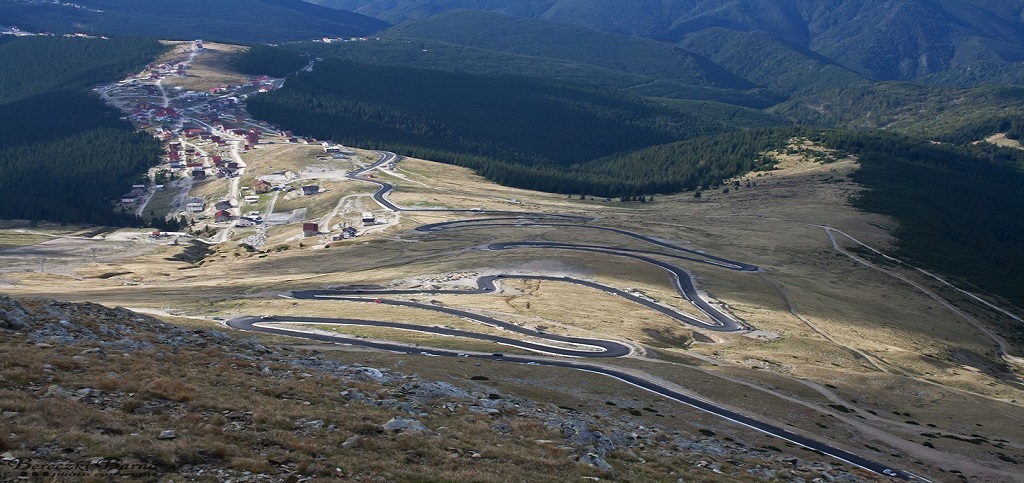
64, 154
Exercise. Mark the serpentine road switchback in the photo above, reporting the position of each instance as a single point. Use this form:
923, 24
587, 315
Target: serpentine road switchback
715, 318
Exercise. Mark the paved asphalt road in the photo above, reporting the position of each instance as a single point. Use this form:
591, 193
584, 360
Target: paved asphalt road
255, 324
597, 347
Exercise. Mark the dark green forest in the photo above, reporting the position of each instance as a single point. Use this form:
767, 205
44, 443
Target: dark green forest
64, 154
36, 65
266, 60
959, 207
511, 119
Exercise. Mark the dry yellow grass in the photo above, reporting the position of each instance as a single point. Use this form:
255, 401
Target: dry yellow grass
208, 69
825, 318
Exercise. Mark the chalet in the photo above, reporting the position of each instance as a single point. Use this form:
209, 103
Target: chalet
368, 218
214, 138
260, 187
233, 166
245, 222
293, 140
310, 229
199, 174
239, 132
176, 165
129, 198
165, 112
194, 164
194, 131
252, 199
310, 190
222, 216
195, 205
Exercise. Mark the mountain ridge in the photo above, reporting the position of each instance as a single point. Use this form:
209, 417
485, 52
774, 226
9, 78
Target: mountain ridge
235, 21
906, 40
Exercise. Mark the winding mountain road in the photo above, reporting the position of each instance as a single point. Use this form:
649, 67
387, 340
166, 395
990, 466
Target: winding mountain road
583, 347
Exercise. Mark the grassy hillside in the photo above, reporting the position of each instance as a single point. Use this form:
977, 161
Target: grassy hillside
225, 20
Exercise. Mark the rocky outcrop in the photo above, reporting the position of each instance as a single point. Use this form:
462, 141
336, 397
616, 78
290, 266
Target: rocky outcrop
606, 445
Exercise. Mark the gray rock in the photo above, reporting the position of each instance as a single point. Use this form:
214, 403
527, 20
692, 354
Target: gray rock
428, 391
167, 434
483, 410
574, 431
372, 374
403, 425
595, 460
309, 424
128, 345
218, 335
352, 442
13, 315
57, 391
502, 428
762, 473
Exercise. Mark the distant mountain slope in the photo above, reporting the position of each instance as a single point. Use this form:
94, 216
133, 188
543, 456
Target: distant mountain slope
938, 113
554, 40
461, 58
956, 42
785, 68
227, 20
